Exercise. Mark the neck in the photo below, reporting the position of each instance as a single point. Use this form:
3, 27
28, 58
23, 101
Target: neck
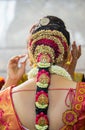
54, 69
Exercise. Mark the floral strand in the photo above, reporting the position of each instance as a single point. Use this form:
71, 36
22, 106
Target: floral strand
54, 69
41, 99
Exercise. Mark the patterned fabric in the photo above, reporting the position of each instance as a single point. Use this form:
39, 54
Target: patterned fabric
79, 77
8, 117
74, 119
79, 106
75, 116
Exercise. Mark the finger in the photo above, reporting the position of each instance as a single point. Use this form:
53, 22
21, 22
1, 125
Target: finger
74, 55
76, 50
23, 58
74, 46
79, 51
23, 65
22, 61
69, 56
14, 59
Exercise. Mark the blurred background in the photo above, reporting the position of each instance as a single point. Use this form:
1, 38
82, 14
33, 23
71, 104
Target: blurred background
17, 17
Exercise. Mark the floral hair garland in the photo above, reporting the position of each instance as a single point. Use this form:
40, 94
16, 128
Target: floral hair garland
49, 41
47, 47
41, 99
54, 69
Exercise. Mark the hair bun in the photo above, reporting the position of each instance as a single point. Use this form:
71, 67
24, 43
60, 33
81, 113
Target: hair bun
56, 21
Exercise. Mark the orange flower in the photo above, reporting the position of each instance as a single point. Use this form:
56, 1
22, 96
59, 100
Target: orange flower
2, 81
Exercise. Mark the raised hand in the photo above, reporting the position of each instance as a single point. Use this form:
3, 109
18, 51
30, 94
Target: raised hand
74, 55
15, 70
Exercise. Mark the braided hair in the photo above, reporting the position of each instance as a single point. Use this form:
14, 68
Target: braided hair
48, 44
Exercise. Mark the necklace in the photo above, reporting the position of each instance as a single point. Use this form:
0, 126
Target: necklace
54, 69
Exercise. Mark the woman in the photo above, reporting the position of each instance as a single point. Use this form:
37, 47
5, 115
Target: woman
50, 99
17, 68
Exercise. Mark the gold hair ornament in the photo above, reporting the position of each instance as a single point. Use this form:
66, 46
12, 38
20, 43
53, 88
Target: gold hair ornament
56, 37
48, 49
44, 21
50, 33
44, 49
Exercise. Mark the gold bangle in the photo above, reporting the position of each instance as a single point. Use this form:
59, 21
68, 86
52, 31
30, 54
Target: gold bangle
68, 63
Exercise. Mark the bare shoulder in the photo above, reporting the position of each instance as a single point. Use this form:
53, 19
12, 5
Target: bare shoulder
27, 85
62, 82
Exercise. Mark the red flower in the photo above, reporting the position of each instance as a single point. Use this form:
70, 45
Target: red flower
43, 76
42, 97
42, 119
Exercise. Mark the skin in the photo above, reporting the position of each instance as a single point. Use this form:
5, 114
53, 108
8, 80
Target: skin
57, 101
14, 73
73, 57
25, 108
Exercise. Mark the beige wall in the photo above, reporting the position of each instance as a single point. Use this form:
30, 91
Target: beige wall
16, 17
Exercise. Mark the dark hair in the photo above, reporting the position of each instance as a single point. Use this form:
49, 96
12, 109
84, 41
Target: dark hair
54, 24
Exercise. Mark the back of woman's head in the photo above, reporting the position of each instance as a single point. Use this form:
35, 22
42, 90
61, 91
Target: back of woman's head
48, 45
51, 23
49, 34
